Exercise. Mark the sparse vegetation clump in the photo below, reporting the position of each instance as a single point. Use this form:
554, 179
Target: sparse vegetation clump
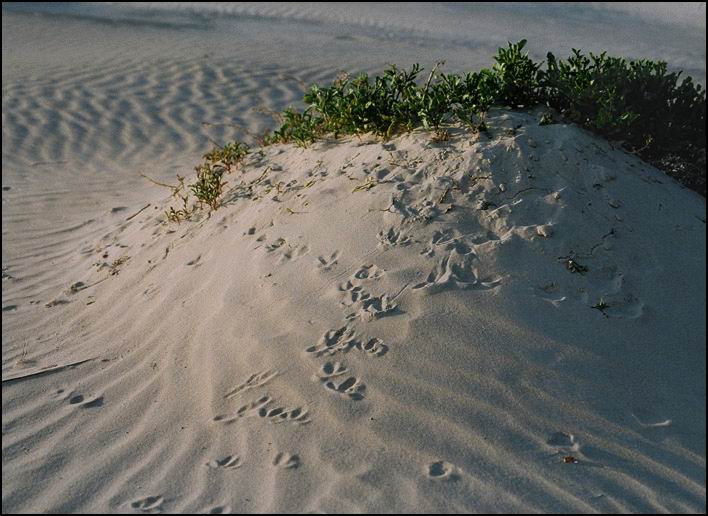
227, 156
650, 111
209, 184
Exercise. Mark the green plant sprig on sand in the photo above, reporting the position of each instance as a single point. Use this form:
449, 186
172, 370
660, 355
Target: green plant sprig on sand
228, 155
639, 103
209, 184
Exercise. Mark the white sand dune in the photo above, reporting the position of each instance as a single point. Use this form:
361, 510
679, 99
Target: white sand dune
365, 325
370, 326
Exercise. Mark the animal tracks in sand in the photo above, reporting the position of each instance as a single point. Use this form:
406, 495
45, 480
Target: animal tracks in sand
264, 409
368, 306
353, 293
294, 252
562, 440
456, 271
374, 347
196, 262
253, 381
363, 273
286, 251
148, 504
393, 237
374, 308
297, 415
551, 294
353, 290
334, 341
277, 244
564, 443
244, 410
446, 240
79, 400
343, 340
284, 460
230, 462
352, 388
84, 403
368, 272
330, 370
442, 470
325, 264
607, 297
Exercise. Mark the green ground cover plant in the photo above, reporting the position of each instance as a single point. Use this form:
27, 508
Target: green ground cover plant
651, 112
228, 155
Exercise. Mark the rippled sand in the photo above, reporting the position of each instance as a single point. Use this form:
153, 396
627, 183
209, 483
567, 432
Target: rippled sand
364, 326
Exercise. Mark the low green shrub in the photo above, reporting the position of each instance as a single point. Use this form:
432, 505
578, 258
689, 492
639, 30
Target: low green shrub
652, 112
638, 103
517, 77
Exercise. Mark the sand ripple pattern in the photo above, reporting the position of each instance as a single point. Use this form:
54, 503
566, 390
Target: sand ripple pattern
142, 112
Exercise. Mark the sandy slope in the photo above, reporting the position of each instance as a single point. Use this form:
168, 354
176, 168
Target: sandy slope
370, 326
420, 344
